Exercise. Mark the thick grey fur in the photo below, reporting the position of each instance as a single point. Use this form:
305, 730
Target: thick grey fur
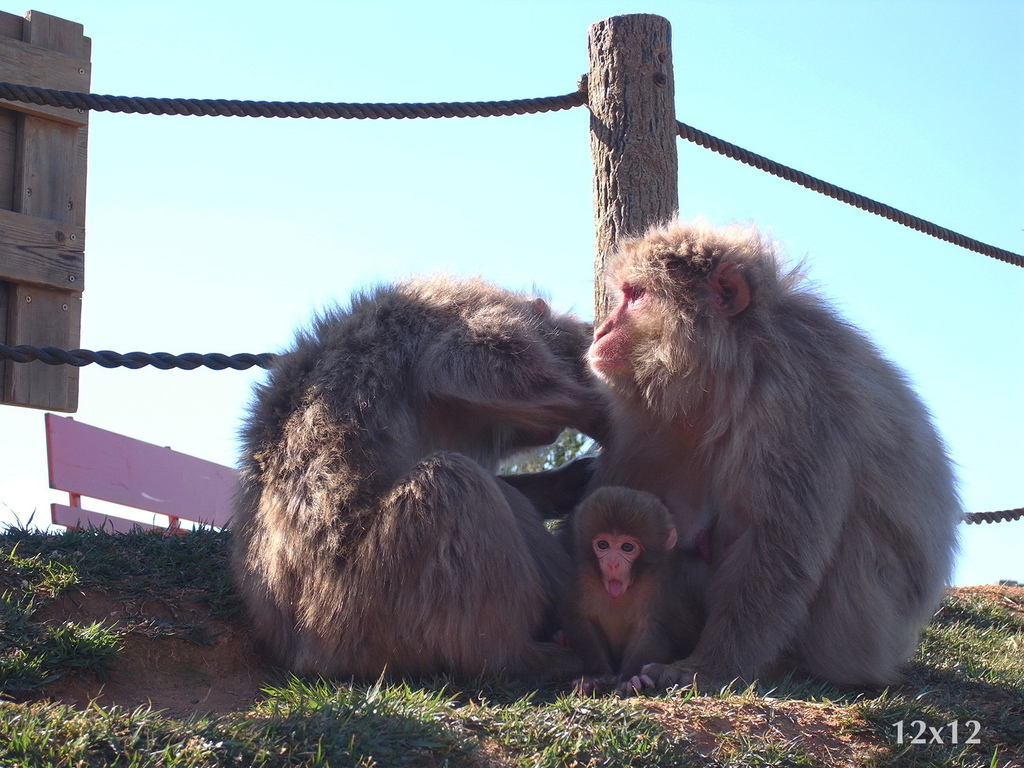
371, 532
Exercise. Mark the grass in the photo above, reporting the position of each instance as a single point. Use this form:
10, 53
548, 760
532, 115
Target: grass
969, 670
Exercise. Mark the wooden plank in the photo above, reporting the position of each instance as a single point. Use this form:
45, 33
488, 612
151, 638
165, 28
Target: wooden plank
60, 37
8, 151
49, 183
44, 181
41, 251
112, 467
24, 63
77, 517
43, 317
56, 34
5, 292
11, 25
76, 203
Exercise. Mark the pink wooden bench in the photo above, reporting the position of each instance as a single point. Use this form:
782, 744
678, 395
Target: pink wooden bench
92, 462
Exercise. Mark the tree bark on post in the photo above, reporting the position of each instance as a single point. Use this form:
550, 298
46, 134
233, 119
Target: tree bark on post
631, 95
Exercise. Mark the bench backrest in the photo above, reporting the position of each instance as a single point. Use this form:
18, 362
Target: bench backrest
88, 461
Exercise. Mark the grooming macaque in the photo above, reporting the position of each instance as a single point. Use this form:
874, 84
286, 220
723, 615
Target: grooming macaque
623, 608
804, 475
371, 533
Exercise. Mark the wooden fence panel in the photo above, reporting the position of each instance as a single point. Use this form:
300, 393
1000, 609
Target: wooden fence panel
88, 461
43, 159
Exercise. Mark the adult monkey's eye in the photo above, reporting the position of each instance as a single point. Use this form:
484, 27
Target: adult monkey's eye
631, 293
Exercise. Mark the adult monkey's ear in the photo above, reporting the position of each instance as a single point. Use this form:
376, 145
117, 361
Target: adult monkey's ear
730, 292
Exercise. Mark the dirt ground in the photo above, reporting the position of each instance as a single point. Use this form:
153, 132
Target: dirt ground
214, 670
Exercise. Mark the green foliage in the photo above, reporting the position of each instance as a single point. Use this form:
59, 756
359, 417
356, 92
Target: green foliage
569, 445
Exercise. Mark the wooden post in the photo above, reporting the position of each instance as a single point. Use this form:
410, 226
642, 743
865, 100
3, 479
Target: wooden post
632, 133
42, 206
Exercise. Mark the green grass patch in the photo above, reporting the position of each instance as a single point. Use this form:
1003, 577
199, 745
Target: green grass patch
148, 564
33, 653
968, 673
966, 683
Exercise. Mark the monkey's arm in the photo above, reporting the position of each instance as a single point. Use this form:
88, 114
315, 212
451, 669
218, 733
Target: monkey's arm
651, 645
554, 492
505, 376
586, 638
589, 642
759, 594
538, 415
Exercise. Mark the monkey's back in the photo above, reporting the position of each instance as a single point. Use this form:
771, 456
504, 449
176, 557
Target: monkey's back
886, 502
340, 523
350, 369
314, 458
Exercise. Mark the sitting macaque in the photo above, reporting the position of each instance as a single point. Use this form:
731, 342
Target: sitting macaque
371, 533
803, 473
622, 609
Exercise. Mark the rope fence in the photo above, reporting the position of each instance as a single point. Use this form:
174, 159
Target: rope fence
218, 362
993, 517
50, 97
708, 141
387, 111
24, 353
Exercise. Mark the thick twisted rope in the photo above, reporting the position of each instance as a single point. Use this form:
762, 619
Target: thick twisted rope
24, 353
323, 110
844, 195
993, 517
191, 360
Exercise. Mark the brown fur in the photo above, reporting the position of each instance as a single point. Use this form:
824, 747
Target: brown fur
795, 458
651, 621
371, 533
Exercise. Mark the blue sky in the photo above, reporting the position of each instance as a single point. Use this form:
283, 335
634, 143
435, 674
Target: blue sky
224, 234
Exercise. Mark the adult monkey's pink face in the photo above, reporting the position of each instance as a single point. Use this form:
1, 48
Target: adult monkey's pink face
637, 324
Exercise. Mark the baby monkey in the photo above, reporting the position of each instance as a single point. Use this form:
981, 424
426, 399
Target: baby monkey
623, 609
